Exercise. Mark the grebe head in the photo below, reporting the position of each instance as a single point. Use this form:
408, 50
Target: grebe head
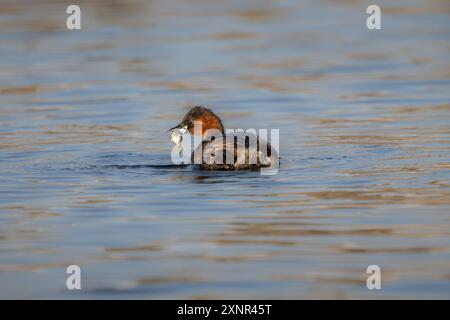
208, 119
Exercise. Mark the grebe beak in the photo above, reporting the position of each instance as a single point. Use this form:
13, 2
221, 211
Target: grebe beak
176, 127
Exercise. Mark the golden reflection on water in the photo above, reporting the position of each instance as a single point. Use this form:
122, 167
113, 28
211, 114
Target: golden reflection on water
365, 150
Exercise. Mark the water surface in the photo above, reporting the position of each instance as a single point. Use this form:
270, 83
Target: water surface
86, 176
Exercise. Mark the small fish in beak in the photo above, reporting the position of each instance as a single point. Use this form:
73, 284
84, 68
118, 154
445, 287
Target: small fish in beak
177, 137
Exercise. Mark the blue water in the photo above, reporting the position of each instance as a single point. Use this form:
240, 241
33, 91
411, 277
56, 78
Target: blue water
85, 170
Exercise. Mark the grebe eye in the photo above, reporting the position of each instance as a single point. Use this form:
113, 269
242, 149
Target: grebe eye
188, 123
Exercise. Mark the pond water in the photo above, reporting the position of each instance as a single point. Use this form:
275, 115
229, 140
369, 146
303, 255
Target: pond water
85, 175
